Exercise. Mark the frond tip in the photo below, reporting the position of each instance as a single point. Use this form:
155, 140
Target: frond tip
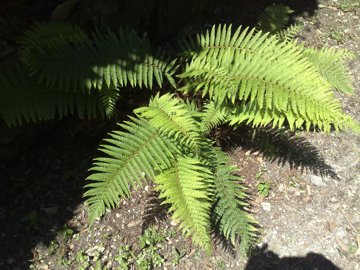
187, 188
229, 213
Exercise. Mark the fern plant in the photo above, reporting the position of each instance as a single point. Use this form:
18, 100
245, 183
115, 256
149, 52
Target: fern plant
242, 76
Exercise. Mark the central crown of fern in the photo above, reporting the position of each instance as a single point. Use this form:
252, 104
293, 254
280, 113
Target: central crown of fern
242, 76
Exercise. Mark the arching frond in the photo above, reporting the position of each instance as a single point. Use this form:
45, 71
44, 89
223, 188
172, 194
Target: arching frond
171, 116
274, 18
268, 77
22, 99
49, 35
112, 60
331, 64
132, 155
42, 37
229, 212
187, 188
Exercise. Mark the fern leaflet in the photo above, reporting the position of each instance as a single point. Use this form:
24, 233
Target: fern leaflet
187, 188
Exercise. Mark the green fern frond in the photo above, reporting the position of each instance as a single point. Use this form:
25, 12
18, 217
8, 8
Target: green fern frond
133, 154
187, 188
109, 97
274, 18
212, 116
252, 114
266, 76
112, 60
331, 64
51, 34
42, 37
229, 211
171, 116
22, 99
288, 34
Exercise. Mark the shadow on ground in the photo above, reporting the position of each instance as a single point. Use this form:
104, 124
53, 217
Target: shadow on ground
280, 146
42, 179
263, 259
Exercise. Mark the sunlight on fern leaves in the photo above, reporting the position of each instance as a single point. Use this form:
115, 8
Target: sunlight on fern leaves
331, 64
268, 78
133, 155
212, 116
187, 188
111, 60
171, 116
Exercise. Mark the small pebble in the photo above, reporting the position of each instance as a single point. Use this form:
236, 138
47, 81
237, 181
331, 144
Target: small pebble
266, 206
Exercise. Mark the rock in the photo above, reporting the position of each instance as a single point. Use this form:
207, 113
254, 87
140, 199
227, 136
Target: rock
174, 222
94, 251
133, 223
317, 180
266, 206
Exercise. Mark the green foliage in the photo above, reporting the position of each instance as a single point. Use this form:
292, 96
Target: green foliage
226, 77
230, 205
331, 65
110, 60
23, 99
138, 151
274, 18
187, 188
182, 162
149, 256
257, 74
264, 188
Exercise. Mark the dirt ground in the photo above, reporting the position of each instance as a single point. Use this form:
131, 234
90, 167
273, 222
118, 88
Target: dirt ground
309, 220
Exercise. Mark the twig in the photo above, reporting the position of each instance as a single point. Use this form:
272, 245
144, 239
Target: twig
351, 225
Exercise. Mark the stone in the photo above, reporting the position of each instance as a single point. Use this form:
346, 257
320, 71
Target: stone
266, 206
317, 180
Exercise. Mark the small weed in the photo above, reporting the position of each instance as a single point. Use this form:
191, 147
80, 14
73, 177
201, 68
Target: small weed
148, 257
125, 257
82, 260
264, 188
337, 35
66, 231
53, 247
348, 6
221, 265
352, 247
150, 237
32, 221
